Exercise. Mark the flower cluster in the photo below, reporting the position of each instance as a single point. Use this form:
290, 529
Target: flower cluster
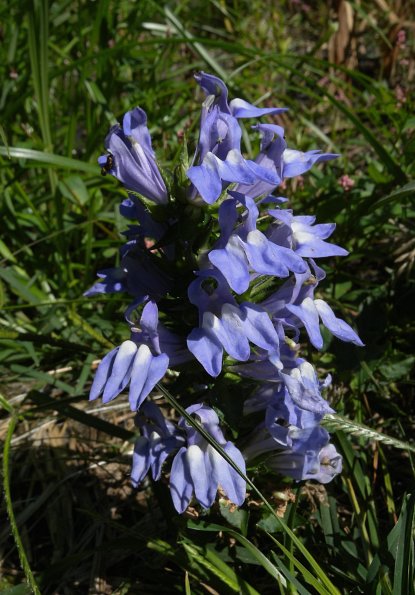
223, 275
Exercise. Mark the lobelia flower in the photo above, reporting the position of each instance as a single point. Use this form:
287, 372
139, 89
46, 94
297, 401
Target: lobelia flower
246, 248
302, 466
279, 161
293, 306
199, 469
226, 326
297, 443
139, 273
159, 437
141, 361
218, 160
132, 159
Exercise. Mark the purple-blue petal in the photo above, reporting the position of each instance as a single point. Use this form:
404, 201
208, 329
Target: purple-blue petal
338, 327
231, 482
141, 460
242, 109
203, 474
232, 263
307, 313
102, 374
121, 371
181, 486
207, 349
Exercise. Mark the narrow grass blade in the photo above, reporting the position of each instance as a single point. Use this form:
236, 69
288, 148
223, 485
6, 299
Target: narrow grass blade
209, 59
406, 191
81, 416
49, 159
9, 507
217, 568
306, 574
403, 578
256, 553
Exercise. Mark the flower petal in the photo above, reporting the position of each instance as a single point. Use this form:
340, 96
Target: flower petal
232, 263
307, 313
121, 371
141, 460
338, 327
146, 372
101, 375
242, 109
203, 475
231, 482
207, 349
181, 486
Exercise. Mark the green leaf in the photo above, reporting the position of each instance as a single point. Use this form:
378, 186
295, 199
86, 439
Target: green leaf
237, 517
406, 191
50, 159
256, 553
403, 577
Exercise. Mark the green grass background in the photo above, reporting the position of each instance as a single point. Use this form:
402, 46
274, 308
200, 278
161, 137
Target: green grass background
68, 71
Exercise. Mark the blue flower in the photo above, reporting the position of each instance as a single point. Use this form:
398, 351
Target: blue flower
218, 160
232, 332
306, 239
246, 249
132, 159
239, 108
303, 387
280, 161
141, 361
200, 470
159, 437
306, 465
224, 325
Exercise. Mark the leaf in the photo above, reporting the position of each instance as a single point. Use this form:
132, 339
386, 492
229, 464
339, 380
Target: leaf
235, 516
79, 415
404, 192
50, 159
403, 577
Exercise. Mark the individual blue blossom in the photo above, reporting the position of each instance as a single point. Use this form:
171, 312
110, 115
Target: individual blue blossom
232, 332
304, 387
138, 274
140, 362
309, 440
199, 469
128, 364
244, 249
293, 306
226, 326
131, 157
306, 465
306, 238
159, 437
280, 161
214, 174
239, 108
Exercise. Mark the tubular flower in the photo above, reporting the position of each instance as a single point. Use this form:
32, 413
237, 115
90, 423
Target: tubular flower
199, 469
131, 158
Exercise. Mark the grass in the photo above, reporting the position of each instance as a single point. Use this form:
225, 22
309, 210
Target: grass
69, 70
